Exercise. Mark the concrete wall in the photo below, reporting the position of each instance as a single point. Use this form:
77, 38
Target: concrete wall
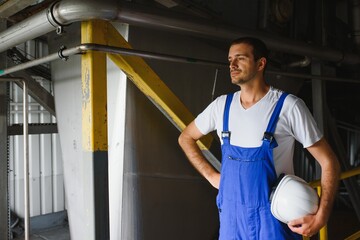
165, 197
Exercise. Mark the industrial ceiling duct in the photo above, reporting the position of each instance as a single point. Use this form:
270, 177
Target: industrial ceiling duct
66, 12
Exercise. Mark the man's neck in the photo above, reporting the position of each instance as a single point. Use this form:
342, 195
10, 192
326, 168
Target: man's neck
251, 94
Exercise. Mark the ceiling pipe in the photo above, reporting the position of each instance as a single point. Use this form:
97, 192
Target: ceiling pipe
65, 53
302, 63
65, 12
355, 6
56, 17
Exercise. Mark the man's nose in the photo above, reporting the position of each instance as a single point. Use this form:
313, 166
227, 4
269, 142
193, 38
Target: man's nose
231, 64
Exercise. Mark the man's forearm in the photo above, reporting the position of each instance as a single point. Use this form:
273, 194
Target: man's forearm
198, 160
329, 185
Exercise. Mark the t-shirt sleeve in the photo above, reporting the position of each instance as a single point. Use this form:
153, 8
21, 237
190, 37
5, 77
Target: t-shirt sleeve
303, 126
207, 121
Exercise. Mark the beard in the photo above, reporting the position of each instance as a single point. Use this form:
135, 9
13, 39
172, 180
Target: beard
242, 78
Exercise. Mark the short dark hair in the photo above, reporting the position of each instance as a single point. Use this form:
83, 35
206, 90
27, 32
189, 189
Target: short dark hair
259, 47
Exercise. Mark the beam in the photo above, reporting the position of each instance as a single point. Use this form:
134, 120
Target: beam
148, 82
33, 128
36, 91
11, 7
94, 124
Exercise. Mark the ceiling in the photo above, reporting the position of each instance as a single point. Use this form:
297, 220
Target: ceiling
334, 24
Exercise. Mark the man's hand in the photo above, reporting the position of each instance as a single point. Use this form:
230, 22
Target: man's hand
306, 226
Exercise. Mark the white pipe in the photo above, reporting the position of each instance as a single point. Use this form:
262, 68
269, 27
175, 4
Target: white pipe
58, 15
26, 163
30, 28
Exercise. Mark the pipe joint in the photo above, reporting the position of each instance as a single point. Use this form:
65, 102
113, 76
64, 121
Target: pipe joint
51, 18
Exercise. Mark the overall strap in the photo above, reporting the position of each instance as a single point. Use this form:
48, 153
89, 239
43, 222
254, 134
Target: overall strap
269, 133
225, 134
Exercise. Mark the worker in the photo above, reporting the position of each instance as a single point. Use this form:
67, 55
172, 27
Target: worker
258, 126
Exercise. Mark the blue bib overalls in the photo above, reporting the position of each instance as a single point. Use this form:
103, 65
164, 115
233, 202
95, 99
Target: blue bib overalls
247, 176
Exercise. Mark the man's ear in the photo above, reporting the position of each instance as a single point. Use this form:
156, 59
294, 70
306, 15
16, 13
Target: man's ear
261, 63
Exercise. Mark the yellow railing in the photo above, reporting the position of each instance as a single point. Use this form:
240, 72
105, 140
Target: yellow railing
317, 184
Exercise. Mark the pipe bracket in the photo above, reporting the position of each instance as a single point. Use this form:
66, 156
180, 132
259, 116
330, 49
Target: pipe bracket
61, 55
60, 30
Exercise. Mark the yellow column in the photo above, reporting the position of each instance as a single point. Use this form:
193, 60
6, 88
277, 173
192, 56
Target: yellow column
94, 123
94, 93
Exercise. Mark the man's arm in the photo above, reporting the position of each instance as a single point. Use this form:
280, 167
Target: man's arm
330, 173
187, 141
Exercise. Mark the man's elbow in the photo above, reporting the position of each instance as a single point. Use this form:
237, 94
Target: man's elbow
181, 139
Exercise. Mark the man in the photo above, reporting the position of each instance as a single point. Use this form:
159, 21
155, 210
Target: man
258, 126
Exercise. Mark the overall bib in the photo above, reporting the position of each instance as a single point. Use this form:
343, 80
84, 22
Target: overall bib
247, 176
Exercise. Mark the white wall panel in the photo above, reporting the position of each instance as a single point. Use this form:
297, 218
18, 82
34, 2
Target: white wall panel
45, 161
58, 193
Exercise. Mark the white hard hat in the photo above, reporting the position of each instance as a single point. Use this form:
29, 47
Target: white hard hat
293, 198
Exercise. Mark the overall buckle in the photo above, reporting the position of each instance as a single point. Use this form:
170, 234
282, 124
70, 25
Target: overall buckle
268, 136
225, 134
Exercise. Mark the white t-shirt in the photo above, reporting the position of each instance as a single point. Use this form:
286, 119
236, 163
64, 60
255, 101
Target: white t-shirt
247, 126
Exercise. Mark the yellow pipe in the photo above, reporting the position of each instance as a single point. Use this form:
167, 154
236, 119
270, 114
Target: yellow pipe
344, 175
323, 234
350, 173
354, 236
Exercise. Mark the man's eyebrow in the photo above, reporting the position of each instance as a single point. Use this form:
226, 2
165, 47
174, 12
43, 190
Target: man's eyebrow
239, 55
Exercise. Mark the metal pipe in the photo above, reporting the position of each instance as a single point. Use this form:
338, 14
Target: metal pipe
65, 53
156, 18
58, 15
29, 28
310, 76
26, 155
146, 54
61, 54
67, 11
355, 6
82, 48
26, 163
302, 63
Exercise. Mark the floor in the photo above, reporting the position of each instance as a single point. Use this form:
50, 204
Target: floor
56, 233
341, 225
